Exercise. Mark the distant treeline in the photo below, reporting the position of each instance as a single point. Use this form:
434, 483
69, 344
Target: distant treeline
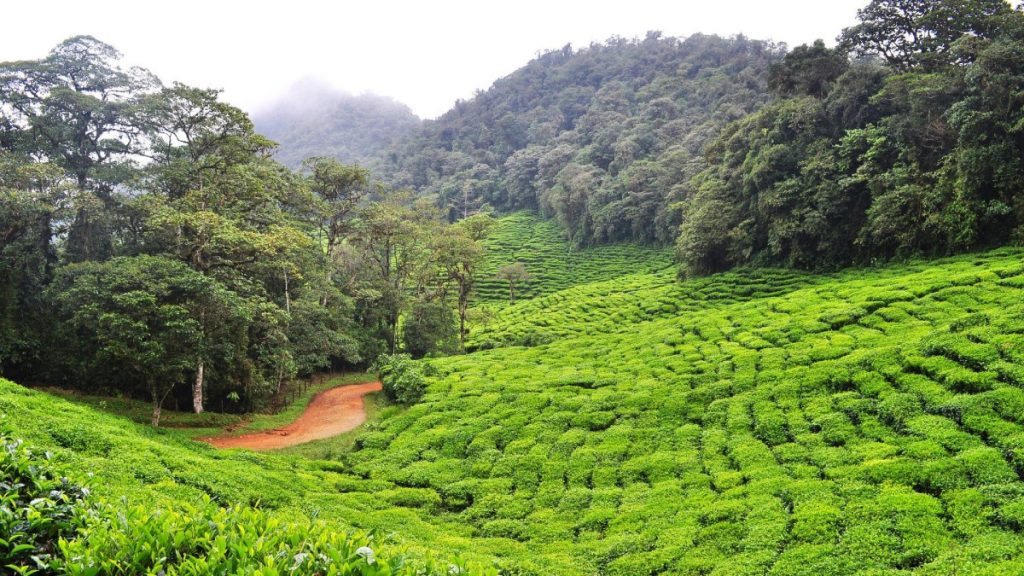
906, 138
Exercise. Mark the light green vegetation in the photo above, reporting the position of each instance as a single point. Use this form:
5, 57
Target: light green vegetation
866, 422
52, 525
616, 305
541, 246
158, 469
869, 422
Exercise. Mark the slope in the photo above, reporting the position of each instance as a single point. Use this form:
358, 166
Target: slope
866, 423
605, 137
552, 266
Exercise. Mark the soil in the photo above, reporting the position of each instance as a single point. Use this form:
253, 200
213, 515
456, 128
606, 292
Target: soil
330, 413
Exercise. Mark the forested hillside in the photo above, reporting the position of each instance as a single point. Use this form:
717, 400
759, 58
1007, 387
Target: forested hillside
907, 138
604, 138
310, 120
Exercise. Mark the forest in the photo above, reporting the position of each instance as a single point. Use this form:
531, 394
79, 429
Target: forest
702, 306
904, 138
151, 245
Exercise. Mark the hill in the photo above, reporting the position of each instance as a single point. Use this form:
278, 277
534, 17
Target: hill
762, 422
312, 119
604, 137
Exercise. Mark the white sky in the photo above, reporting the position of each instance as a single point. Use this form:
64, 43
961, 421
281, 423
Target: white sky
425, 54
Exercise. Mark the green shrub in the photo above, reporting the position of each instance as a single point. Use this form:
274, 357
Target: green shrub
402, 378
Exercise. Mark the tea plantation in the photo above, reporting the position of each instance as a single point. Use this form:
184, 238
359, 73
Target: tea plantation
540, 246
763, 422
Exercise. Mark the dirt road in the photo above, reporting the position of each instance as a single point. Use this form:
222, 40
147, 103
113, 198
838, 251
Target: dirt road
330, 413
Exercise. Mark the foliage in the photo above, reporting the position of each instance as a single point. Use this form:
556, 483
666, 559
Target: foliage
205, 538
865, 419
50, 528
139, 316
38, 508
238, 274
402, 379
858, 162
602, 138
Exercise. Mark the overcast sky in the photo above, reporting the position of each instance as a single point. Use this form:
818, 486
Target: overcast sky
425, 54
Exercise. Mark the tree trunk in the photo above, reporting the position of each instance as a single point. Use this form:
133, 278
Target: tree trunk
157, 401
463, 305
287, 296
197, 389
511, 292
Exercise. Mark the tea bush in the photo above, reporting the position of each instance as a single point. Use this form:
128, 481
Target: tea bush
38, 508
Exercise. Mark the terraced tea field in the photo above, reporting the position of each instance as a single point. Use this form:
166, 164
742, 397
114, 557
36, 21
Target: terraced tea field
539, 244
872, 422
769, 422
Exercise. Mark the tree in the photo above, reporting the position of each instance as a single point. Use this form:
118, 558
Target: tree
428, 327
514, 274
139, 315
339, 189
196, 139
807, 70
221, 208
459, 252
32, 198
392, 241
921, 33
79, 109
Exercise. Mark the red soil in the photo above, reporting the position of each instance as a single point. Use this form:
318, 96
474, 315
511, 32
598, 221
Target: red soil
330, 413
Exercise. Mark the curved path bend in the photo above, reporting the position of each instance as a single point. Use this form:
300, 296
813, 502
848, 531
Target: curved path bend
331, 412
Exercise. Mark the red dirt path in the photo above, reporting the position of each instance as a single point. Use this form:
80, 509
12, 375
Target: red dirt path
330, 413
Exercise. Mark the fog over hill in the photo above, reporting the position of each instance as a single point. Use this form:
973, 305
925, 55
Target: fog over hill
312, 118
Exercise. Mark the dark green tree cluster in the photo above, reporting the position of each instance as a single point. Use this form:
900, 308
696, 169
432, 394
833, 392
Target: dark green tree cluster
605, 139
907, 138
151, 246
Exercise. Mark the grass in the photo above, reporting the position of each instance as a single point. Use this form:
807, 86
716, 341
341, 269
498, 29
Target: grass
761, 422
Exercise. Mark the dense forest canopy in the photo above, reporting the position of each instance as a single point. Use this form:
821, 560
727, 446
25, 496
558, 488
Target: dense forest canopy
907, 138
604, 138
311, 119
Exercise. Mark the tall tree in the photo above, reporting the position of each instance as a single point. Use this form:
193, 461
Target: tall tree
390, 235
912, 33
339, 189
221, 208
78, 108
459, 252
514, 274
